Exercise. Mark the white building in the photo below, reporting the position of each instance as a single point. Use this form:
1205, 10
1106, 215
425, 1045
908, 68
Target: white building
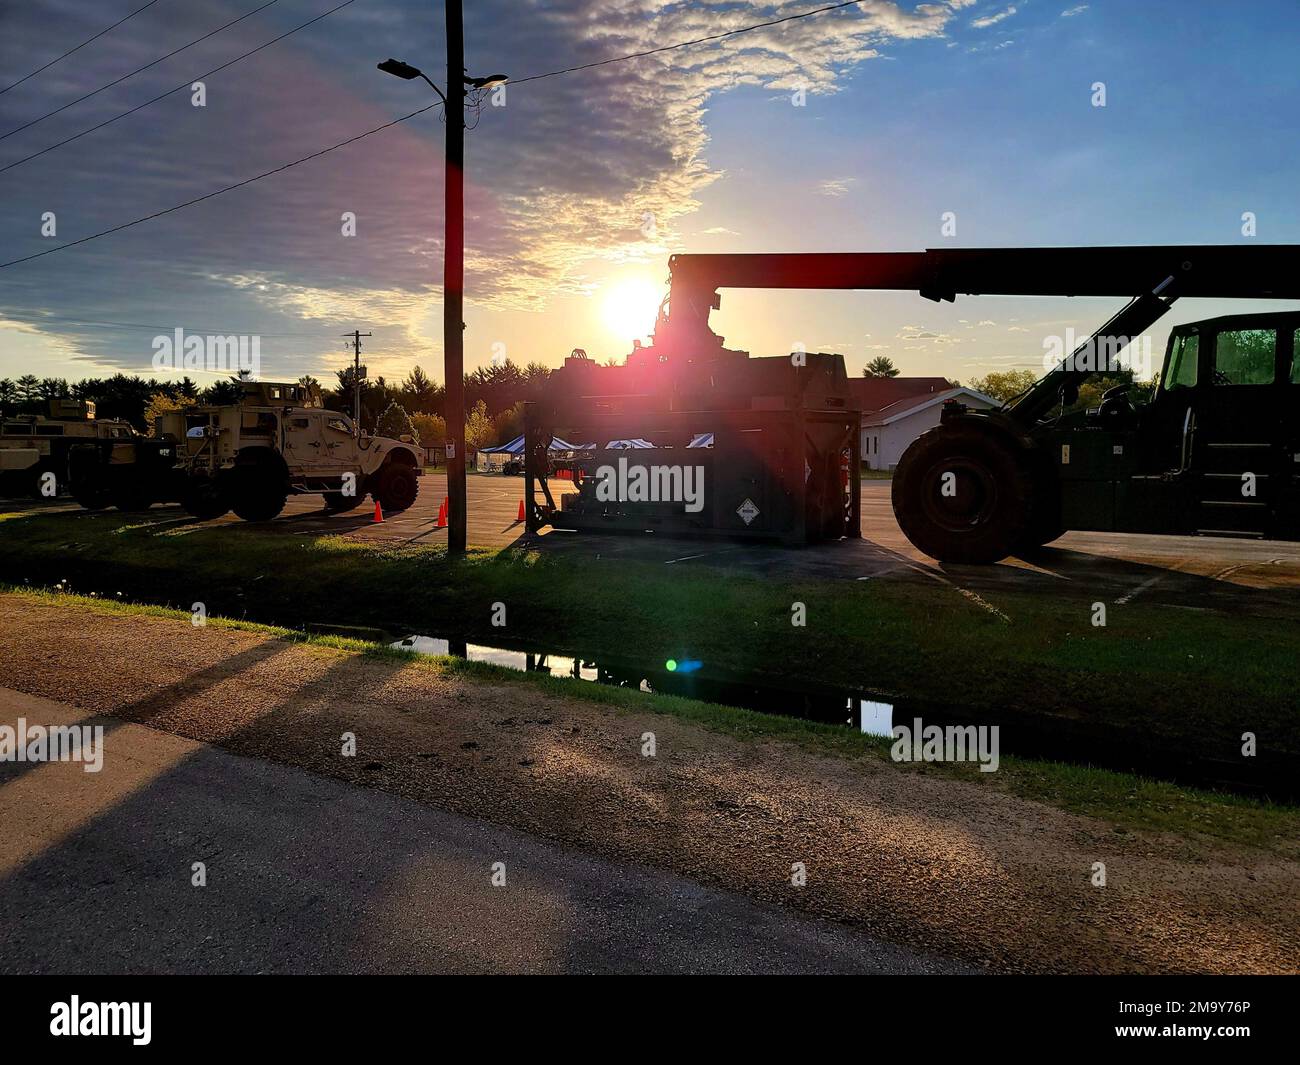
887, 432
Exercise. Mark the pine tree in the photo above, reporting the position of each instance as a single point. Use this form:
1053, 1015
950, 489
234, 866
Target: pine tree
395, 423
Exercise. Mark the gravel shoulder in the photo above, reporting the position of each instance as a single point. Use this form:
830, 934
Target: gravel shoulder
921, 860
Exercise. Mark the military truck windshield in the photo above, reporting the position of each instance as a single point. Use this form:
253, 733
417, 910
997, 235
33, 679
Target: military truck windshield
1181, 371
1245, 357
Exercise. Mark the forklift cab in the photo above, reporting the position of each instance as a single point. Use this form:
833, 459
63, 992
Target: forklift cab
1216, 451
1223, 419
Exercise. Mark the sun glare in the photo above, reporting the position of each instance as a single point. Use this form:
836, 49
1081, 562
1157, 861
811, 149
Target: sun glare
629, 307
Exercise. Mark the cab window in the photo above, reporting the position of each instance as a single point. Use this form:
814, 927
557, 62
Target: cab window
1182, 362
258, 422
339, 425
1245, 357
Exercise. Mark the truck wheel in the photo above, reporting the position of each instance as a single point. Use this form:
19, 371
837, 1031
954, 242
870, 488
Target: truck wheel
961, 494
205, 501
397, 488
336, 502
87, 481
91, 496
131, 497
258, 492
1041, 532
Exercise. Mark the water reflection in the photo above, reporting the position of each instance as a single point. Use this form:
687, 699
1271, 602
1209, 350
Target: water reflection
1189, 753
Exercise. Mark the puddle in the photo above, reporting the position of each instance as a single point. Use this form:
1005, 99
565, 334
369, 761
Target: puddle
871, 716
1194, 757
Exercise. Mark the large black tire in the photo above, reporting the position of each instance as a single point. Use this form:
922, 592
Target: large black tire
396, 487
87, 480
338, 503
205, 500
1043, 529
129, 496
979, 515
91, 496
258, 491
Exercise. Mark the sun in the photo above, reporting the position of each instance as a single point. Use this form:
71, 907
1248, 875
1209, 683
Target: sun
629, 307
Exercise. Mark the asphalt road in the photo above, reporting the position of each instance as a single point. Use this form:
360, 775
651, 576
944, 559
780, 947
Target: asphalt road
309, 874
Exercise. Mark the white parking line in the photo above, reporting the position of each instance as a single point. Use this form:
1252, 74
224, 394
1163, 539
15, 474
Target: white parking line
1128, 597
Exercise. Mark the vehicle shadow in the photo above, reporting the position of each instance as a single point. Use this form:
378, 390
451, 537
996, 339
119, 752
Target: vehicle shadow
1054, 570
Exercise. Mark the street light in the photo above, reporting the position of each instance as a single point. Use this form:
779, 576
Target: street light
453, 270
409, 73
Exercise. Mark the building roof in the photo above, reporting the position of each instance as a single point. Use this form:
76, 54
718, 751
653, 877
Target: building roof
876, 393
914, 404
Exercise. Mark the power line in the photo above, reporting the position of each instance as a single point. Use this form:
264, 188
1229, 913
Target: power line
118, 81
78, 48
218, 192
405, 118
42, 319
184, 85
687, 44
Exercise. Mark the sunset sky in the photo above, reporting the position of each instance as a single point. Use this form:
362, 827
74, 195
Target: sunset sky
582, 185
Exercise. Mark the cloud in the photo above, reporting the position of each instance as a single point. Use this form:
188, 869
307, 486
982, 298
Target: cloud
836, 186
1070, 12
601, 166
993, 20
911, 332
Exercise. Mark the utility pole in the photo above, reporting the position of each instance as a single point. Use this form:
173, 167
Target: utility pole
453, 254
453, 285
356, 336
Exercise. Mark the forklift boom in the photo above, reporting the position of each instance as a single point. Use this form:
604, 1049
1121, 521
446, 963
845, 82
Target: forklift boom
1270, 271
1152, 276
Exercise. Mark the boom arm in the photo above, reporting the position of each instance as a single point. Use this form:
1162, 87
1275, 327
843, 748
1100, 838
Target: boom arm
1153, 277
1270, 271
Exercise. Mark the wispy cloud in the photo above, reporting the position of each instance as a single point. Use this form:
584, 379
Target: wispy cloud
836, 186
602, 166
993, 20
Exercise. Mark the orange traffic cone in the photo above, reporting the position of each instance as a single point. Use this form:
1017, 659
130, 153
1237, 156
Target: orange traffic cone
521, 511
379, 513
442, 514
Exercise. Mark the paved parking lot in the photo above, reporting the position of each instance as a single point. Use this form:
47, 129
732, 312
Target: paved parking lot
1198, 572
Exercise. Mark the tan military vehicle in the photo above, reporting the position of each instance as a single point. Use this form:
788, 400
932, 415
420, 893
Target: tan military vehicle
32, 446
278, 441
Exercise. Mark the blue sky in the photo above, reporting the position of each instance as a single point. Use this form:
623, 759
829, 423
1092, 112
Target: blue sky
910, 111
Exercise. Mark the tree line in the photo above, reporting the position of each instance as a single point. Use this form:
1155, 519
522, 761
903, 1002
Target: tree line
494, 397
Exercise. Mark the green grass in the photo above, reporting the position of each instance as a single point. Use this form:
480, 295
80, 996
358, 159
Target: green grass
1152, 669
1130, 802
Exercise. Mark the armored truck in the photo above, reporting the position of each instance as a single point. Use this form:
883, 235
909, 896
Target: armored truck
249, 457
36, 445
